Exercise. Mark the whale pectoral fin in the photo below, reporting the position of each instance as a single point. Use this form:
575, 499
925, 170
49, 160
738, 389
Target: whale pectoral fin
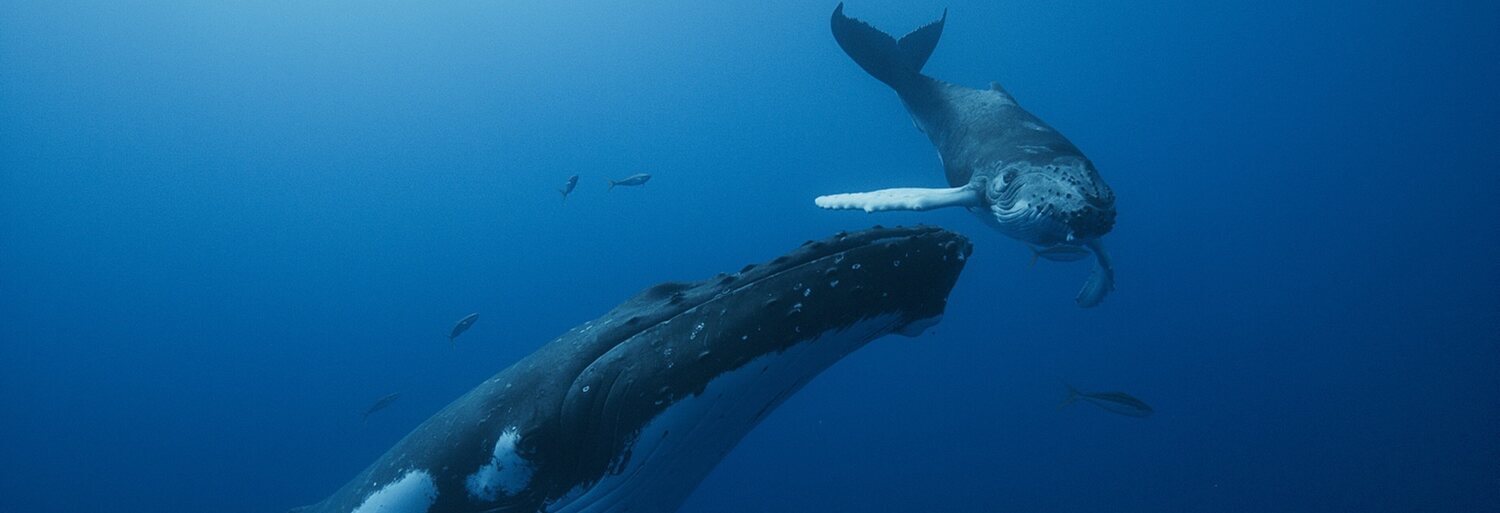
1101, 280
910, 198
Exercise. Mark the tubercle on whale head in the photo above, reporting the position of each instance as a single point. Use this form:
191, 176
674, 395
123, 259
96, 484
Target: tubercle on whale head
823, 285
824, 258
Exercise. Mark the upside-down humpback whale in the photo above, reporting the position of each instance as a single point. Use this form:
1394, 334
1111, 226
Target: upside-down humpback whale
628, 412
1005, 165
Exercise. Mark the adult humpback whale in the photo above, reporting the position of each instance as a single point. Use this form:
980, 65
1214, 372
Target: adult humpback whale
1005, 165
628, 412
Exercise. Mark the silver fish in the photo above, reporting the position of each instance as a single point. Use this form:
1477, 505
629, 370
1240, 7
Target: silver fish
380, 404
1113, 402
568, 187
632, 180
463, 325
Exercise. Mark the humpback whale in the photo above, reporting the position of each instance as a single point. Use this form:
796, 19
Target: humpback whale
1014, 171
628, 412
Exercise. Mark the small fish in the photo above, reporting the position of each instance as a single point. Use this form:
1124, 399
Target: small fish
568, 187
635, 179
380, 404
1060, 253
462, 326
1113, 402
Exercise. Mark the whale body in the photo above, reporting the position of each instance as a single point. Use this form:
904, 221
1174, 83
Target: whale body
629, 412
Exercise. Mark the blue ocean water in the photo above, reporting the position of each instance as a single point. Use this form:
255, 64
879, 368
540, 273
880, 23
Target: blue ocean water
226, 228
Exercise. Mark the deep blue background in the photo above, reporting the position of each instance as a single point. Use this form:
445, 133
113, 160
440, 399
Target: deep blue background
226, 229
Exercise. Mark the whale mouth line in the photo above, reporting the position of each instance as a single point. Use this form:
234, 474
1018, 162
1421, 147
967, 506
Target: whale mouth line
1030, 224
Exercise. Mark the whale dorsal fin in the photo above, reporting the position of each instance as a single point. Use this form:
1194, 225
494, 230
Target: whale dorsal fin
996, 87
909, 198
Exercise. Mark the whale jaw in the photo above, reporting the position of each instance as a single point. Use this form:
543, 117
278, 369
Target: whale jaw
671, 454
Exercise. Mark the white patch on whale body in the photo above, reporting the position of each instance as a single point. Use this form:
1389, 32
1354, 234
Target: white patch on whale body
507, 472
675, 450
413, 492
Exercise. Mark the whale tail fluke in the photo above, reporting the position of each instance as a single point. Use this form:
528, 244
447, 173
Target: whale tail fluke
612, 184
895, 62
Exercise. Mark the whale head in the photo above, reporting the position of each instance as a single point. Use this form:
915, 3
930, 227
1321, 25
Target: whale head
629, 411
650, 417
1060, 202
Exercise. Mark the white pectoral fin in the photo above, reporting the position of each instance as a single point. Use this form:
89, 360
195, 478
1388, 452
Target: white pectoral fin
910, 198
1101, 280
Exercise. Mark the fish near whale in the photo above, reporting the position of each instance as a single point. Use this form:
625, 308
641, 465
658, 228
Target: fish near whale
631, 181
1114, 402
628, 412
1011, 169
462, 325
380, 404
